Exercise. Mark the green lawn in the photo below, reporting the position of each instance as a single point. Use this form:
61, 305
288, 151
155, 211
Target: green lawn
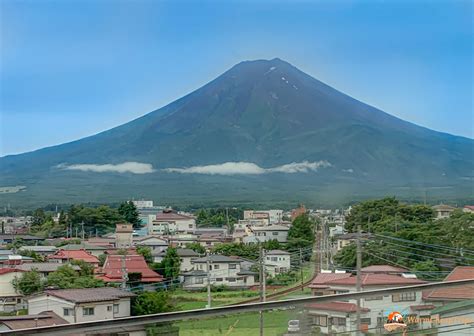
195, 300
275, 323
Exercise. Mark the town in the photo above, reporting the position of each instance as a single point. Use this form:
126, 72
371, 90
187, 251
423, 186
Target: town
82, 264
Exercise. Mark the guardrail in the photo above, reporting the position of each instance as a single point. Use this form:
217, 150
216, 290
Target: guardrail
133, 321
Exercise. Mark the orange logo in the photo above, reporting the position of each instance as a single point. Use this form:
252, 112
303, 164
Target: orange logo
395, 322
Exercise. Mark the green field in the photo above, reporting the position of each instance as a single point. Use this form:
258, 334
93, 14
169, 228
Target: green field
275, 323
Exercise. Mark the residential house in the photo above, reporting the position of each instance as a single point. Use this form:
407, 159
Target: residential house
443, 296
44, 268
95, 250
375, 308
107, 242
222, 270
266, 233
443, 211
186, 257
10, 299
13, 259
65, 256
320, 284
43, 319
257, 215
277, 262
468, 209
337, 317
181, 240
243, 224
115, 265
40, 250
83, 305
170, 222
157, 244
10, 237
123, 235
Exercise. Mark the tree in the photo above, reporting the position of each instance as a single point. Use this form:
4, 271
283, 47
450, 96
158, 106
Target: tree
169, 266
86, 269
196, 247
152, 303
29, 283
249, 251
145, 251
302, 228
66, 277
129, 212
102, 258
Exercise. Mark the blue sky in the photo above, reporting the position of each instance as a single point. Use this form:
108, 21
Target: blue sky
69, 69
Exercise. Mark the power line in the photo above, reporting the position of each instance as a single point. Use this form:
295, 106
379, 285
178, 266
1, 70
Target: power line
425, 244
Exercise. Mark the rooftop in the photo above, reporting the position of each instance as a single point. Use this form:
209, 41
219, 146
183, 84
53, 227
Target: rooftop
278, 252
336, 306
112, 269
270, 228
6, 270
372, 279
216, 258
76, 255
172, 216
43, 319
322, 278
383, 269
454, 293
89, 294
44, 266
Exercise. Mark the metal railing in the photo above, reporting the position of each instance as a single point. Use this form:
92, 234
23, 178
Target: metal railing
134, 321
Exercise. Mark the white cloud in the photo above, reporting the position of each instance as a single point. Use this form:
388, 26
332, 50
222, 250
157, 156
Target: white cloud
248, 168
350, 170
125, 167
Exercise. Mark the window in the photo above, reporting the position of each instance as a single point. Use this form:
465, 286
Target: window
67, 312
365, 321
410, 296
374, 298
216, 267
199, 281
339, 321
191, 226
219, 279
320, 320
109, 308
232, 266
116, 308
275, 233
88, 311
231, 279
274, 259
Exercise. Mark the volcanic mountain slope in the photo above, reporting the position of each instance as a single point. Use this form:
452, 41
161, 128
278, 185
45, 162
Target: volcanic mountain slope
266, 113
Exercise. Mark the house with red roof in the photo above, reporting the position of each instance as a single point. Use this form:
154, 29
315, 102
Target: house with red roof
65, 256
468, 208
443, 296
334, 317
10, 299
115, 265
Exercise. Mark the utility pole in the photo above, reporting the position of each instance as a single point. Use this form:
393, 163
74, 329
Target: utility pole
124, 273
358, 279
262, 285
208, 280
82, 224
301, 268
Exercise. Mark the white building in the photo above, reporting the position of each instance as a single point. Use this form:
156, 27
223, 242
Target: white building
155, 243
142, 204
269, 216
169, 222
266, 233
277, 262
340, 317
10, 299
223, 271
83, 305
